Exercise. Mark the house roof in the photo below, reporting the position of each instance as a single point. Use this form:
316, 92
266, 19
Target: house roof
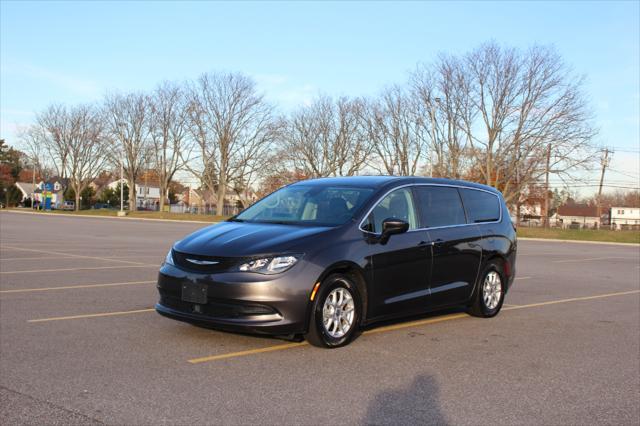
207, 195
582, 210
25, 187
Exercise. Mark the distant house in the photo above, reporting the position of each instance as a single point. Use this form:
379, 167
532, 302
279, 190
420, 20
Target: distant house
200, 199
146, 196
205, 201
101, 183
243, 200
26, 189
577, 216
57, 185
625, 217
530, 208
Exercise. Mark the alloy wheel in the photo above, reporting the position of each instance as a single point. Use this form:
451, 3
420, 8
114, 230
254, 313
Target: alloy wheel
338, 312
492, 290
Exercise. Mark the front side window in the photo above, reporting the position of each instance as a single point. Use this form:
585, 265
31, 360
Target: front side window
396, 205
440, 206
481, 206
312, 205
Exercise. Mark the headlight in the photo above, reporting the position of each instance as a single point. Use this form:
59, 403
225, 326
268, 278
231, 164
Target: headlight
169, 259
269, 265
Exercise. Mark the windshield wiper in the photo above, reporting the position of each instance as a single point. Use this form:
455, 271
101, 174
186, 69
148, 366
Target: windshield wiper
233, 219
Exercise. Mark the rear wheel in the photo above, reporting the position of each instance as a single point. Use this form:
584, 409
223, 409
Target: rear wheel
335, 314
489, 294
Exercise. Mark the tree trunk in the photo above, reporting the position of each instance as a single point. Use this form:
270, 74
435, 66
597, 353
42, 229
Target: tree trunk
164, 192
77, 191
132, 196
222, 191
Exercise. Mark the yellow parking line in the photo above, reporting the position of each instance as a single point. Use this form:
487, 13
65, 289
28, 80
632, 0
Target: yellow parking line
400, 326
248, 352
68, 287
72, 255
35, 258
523, 278
574, 299
78, 269
416, 323
105, 314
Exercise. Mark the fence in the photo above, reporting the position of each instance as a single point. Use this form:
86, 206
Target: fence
527, 222
228, 210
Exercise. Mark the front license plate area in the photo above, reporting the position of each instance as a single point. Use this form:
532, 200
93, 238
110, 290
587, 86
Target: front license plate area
194, 293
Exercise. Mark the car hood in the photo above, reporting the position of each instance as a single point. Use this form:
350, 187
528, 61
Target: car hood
236, 239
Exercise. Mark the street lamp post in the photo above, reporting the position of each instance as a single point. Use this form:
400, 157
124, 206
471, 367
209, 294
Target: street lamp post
121, 187
121, 212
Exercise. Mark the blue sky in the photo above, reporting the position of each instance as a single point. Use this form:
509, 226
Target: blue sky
75, 52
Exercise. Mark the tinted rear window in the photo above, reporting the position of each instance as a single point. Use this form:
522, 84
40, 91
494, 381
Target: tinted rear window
440, 206
481, 206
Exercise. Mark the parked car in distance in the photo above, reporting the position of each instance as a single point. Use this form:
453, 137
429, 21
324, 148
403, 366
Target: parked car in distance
68, 205
321, 258
100, 206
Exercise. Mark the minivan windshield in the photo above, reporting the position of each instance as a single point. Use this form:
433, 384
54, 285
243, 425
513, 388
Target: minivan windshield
307, 205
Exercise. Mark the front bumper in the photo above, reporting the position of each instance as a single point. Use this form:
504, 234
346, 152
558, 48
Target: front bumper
240, 301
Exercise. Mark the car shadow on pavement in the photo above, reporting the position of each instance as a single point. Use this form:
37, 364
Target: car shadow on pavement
416, 404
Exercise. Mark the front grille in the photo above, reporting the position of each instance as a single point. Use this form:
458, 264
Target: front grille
223, 263
218, 308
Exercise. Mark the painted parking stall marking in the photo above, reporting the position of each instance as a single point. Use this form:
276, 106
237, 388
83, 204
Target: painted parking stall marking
70, 287
402, 326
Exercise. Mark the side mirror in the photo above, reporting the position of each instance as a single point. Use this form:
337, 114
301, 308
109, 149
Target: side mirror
391, 226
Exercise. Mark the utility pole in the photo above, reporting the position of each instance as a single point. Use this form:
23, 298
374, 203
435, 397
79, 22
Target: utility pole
121, 212
546, 188
604, 161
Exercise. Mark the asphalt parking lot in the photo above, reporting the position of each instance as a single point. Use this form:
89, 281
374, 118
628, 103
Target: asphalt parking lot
81, 344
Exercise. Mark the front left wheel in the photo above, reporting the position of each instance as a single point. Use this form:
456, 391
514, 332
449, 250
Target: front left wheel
335, 313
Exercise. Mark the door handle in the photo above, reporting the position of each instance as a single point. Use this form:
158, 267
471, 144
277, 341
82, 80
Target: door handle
437, 243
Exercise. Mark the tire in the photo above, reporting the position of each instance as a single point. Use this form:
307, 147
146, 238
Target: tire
334, 334
486, 303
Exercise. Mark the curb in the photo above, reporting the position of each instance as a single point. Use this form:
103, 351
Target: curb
556, 240
108, 217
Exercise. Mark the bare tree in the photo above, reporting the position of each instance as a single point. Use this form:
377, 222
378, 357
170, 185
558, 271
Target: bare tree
327, 138
127, 122
233, 129
53, 131
397, 132
535, 117
168, 130
442, 103
499, 110
87, 150
32, 144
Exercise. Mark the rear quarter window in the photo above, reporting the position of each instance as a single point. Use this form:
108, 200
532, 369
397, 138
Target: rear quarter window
481, 206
